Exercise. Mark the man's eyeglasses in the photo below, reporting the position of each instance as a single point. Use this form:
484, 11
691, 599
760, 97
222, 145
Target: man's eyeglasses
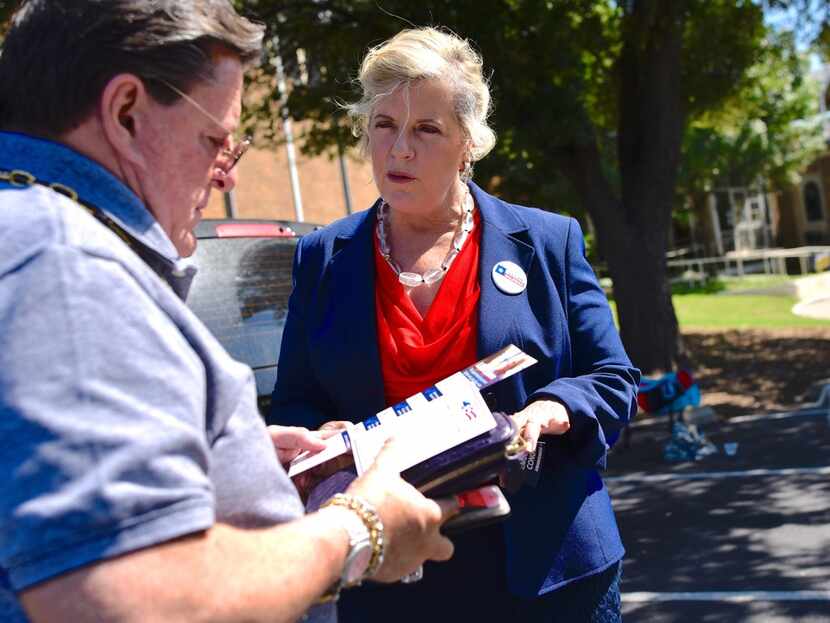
238, 146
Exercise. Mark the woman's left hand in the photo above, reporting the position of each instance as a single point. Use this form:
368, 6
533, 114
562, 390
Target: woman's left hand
541, 417
290, 441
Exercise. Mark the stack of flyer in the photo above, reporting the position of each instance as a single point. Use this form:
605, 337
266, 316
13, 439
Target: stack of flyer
440, 417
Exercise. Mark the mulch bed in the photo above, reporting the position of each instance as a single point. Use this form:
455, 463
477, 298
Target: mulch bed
759, 370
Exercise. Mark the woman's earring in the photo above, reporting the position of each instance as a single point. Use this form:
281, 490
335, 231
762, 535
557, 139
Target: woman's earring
467, 172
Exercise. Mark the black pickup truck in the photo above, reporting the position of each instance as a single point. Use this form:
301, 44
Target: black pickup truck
242, 287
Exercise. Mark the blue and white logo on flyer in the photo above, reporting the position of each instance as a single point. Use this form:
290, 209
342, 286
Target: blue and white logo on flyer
431, 393
401, 408
371, 422
509, 277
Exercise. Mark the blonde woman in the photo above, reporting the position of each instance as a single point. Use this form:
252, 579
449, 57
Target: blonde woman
435, 275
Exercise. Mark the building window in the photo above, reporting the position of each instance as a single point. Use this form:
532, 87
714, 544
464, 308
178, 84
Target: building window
812, 202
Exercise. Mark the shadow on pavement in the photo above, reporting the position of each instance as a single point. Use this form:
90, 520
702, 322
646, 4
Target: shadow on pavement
756, 532
691, 612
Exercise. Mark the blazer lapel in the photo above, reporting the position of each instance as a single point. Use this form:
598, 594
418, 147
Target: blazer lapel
349, 330
501, 240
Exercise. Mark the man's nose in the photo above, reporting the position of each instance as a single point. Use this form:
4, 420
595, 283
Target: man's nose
224, 181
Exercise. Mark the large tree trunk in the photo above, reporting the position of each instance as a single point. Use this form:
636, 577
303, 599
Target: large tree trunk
636, 253
652, 117
648, 324
632, 230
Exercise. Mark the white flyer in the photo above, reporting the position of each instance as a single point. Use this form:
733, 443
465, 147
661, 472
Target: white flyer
436, 419
442, 416
335, 446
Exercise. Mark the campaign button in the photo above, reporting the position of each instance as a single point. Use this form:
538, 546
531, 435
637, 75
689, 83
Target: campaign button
509, 277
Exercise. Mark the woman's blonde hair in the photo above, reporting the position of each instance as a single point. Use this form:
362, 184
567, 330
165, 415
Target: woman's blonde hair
427, 53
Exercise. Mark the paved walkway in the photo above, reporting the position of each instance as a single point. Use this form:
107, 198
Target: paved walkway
729, 538
817, 308
813, 293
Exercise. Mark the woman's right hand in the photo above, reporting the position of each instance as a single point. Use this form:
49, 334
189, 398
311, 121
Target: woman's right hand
411, 522
330, 429
306, 481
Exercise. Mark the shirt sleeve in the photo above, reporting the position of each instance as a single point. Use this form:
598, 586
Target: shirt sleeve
601, 395
102, 418
298, 398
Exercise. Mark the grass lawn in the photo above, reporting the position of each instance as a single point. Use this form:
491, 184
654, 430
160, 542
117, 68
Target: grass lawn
750, 282
745, 311
728, 285
722, 304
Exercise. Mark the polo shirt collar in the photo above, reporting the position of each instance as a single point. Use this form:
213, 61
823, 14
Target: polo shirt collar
52, 162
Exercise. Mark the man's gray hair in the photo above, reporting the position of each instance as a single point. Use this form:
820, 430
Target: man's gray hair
59, 55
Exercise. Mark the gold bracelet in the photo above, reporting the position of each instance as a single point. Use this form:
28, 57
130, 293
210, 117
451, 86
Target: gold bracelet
370, 518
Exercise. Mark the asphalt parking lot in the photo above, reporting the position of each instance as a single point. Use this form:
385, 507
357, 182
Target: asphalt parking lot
742, 538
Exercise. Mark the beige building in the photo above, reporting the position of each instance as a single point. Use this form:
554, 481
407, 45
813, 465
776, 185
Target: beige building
747, 220
264, 188
805, 209
802, 214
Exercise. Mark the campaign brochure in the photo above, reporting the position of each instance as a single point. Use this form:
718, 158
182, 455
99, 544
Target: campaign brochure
434, 420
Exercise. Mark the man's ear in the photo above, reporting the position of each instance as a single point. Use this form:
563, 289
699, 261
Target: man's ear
124, 109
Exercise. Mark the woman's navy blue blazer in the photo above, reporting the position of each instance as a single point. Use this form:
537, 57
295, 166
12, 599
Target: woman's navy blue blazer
329, 369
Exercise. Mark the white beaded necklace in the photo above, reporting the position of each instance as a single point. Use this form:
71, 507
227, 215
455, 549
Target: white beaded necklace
433, 275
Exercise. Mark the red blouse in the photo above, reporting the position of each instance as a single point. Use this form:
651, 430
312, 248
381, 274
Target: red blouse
416, 351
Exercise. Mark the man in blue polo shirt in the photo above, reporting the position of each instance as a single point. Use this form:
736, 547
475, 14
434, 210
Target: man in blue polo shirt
139, 482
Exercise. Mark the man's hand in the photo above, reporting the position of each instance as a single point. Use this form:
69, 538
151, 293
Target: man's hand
290, 441
411, 522
345, 461
306, 481
541, 417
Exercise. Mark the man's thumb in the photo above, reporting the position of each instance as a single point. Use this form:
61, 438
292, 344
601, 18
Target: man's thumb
389, 457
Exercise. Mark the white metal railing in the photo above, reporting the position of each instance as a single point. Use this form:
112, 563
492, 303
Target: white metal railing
695, 270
